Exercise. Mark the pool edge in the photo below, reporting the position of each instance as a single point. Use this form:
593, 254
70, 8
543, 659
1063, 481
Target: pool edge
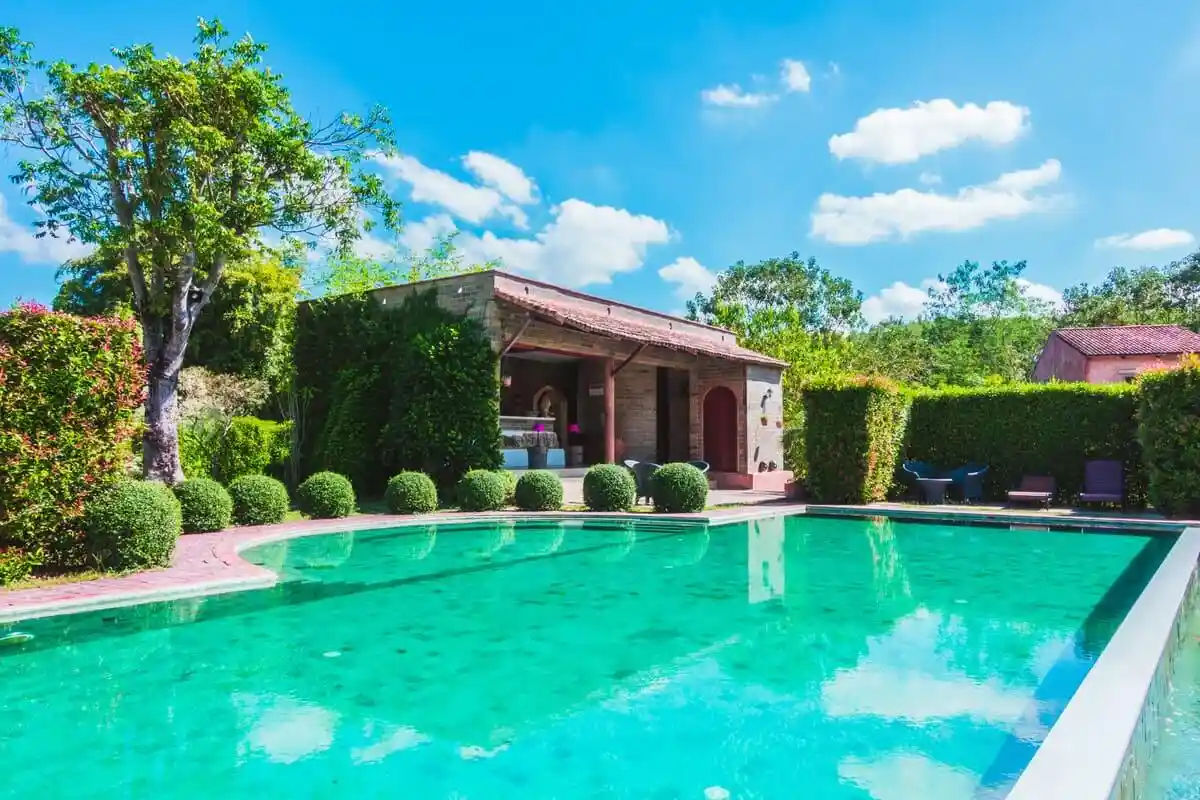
1096, 749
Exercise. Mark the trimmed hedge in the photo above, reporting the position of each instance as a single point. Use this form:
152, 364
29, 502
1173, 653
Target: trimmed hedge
17, 564
679, 489
609, 487
133, 525
510, 482
854, 429
251, 446
1169, 432
205, 504
258, 500
539, 490
326, 495
482, 490
68, 390
411, 493
1029, 429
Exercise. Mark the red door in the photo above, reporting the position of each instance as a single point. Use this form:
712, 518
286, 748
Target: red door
720, 430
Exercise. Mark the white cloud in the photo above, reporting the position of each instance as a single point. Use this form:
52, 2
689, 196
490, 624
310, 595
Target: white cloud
421, 235
471, 203
930, 178
504, 176
689, 276
795, 76
21, 239
1156, 239
901, 214
902, 301
903, 135
734, 96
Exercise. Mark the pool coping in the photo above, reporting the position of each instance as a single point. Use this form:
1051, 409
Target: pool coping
1030, 517
210, 563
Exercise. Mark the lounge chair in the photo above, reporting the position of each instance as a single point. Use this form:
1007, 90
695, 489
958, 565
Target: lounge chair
642, 470
968, 481
700, 465
1103, 482
1034, 489
921, 469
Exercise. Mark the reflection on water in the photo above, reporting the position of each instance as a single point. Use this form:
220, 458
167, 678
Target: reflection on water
630, 660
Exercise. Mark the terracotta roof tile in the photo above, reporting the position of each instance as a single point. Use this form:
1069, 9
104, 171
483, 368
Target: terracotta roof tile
580, 316
1131, 340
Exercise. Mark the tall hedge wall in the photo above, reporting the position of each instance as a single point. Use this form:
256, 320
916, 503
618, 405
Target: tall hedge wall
853, 433
68, 390
1169, 431
1029, 429
381, 389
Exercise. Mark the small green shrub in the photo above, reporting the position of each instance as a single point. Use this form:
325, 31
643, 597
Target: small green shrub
482, 490
679, 489
854, 431
17, 564
132, 525
510, 483
258, 500
539, 490
608, 487
205, 504
326, 495
411, 493
250, 446
1169, 430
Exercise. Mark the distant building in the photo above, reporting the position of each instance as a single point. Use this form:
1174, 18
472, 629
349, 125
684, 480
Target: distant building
1112, 353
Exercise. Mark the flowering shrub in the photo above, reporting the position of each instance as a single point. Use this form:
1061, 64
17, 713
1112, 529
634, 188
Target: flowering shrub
68, 390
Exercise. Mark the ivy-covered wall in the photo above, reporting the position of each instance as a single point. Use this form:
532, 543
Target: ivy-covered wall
1029, 429
380, 389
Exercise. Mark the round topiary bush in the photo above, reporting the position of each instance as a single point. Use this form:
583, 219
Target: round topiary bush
258, 500
133, 524
205, 505
539, 490
326, 495
482, 490
510, 483
679, 489
608, 487
411, 493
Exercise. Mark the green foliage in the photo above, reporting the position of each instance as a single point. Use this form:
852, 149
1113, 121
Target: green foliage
1153, 295
1029, 429
854, 431
356, 365
679, 489
326, 495
16, 564
539, 490
411, 493
133, 525
258, 500
510, 481
1169, 432
68, 390
173, 168
205, 504
482, 490
608, 487
251, 446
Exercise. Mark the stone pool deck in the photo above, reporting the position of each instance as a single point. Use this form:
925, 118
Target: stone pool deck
209, 563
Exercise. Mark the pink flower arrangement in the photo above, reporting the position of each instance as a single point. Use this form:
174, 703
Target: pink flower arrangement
538, 427
573, 428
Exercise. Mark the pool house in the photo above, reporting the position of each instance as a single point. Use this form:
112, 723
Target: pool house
597, 381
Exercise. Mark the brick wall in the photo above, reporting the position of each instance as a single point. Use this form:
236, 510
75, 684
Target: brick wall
636, 407
708, 374
470, 295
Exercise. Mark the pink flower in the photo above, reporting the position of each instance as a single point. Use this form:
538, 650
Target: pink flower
539, 427
573, 428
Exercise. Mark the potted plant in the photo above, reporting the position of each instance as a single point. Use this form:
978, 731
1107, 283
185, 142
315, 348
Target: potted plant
574, 445
536, 447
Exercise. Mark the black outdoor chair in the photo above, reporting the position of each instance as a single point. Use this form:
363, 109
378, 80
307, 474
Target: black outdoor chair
967, 480
700, 465
642, 470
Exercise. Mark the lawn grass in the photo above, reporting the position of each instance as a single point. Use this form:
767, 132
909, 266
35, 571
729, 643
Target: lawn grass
58, 579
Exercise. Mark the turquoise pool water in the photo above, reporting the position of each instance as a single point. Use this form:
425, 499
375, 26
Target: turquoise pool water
1174, 772
784, 658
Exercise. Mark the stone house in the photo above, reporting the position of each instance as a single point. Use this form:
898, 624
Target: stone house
612, 381
1112, 353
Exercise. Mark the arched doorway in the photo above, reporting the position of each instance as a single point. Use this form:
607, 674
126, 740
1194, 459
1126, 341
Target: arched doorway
721, 429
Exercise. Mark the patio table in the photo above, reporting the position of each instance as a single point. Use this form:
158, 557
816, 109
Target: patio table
933, 490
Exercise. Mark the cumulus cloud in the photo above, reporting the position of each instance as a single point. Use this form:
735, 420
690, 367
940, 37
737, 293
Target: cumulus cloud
1156, 239
794, 76
905, 302
504, 176
930, 178
467, 202
902, 214
689, 276
903, 135
734, 96
22, 240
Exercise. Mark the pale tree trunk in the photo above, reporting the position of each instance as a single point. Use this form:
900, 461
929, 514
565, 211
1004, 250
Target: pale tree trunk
160, 445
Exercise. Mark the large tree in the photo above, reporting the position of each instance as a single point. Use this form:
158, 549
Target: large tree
1149, 295
178, 168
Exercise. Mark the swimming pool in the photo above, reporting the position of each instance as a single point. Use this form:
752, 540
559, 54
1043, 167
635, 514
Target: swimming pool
840, 658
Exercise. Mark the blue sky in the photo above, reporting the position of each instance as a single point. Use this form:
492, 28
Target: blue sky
636, 150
